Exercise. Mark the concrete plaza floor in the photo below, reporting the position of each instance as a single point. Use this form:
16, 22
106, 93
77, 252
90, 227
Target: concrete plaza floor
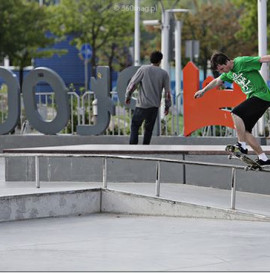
105, 242
113, 242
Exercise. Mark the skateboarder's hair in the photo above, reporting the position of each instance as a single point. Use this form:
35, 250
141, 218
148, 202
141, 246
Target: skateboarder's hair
156, 57
218, 58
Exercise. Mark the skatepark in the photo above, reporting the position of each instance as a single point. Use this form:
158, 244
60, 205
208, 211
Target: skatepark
77, 192
127, 226
188, 228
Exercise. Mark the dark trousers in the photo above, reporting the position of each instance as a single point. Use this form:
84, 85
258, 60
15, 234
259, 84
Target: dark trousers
148, 115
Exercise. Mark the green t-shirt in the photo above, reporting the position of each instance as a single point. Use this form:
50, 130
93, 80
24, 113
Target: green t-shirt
246, 74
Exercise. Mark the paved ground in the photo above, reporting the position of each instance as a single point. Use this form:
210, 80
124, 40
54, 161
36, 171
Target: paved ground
108, 242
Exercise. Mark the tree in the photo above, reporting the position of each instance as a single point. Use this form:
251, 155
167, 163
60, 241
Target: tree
23, 27
249, 21
215, 27
23, 33
115, 53
5, 27
104, 24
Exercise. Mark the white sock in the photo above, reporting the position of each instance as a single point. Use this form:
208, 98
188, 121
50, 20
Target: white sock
243, 144
263, 157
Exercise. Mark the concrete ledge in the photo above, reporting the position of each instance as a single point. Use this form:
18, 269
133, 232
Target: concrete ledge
82, 202
27, 141
129, 203
130, 149
65, 203
39, 140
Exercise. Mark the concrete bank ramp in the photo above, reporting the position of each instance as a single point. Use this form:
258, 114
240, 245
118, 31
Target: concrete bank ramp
97, 200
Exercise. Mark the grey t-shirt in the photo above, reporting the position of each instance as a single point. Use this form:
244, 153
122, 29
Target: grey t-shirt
150, 80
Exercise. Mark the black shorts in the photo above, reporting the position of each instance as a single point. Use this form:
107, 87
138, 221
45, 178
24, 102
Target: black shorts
250, 111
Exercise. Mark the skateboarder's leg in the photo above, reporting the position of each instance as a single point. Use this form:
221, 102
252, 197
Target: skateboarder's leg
240, 128
241, 133
245, 136
245, 116
253, 143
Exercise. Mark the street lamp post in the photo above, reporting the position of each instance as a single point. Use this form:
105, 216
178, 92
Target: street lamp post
262, 48
262, 34
137, 34
178, 45
165, 28
165, 20
178, 63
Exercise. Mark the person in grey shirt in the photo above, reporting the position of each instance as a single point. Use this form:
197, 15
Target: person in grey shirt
149, 80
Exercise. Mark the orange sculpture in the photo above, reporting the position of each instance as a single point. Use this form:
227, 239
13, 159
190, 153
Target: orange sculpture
210, 109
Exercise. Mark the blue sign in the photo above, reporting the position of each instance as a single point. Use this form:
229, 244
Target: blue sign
86, 51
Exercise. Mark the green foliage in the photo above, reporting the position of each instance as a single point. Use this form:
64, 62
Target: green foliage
215, 26
225, 25
249, 21
105, 25
23, 25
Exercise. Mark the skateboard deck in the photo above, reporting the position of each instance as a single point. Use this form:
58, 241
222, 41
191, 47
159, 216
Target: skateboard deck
235, 152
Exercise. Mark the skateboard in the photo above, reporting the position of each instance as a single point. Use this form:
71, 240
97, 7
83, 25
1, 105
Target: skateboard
235, 153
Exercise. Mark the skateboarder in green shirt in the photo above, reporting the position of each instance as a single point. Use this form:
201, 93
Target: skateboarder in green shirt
245, 72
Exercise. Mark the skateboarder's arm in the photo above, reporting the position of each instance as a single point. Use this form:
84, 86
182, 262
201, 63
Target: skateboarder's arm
265, 59
216, 82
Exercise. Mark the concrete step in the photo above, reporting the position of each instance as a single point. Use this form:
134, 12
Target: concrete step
97, 200
49, 204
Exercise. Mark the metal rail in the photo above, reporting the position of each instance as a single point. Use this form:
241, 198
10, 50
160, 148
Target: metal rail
105, 157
